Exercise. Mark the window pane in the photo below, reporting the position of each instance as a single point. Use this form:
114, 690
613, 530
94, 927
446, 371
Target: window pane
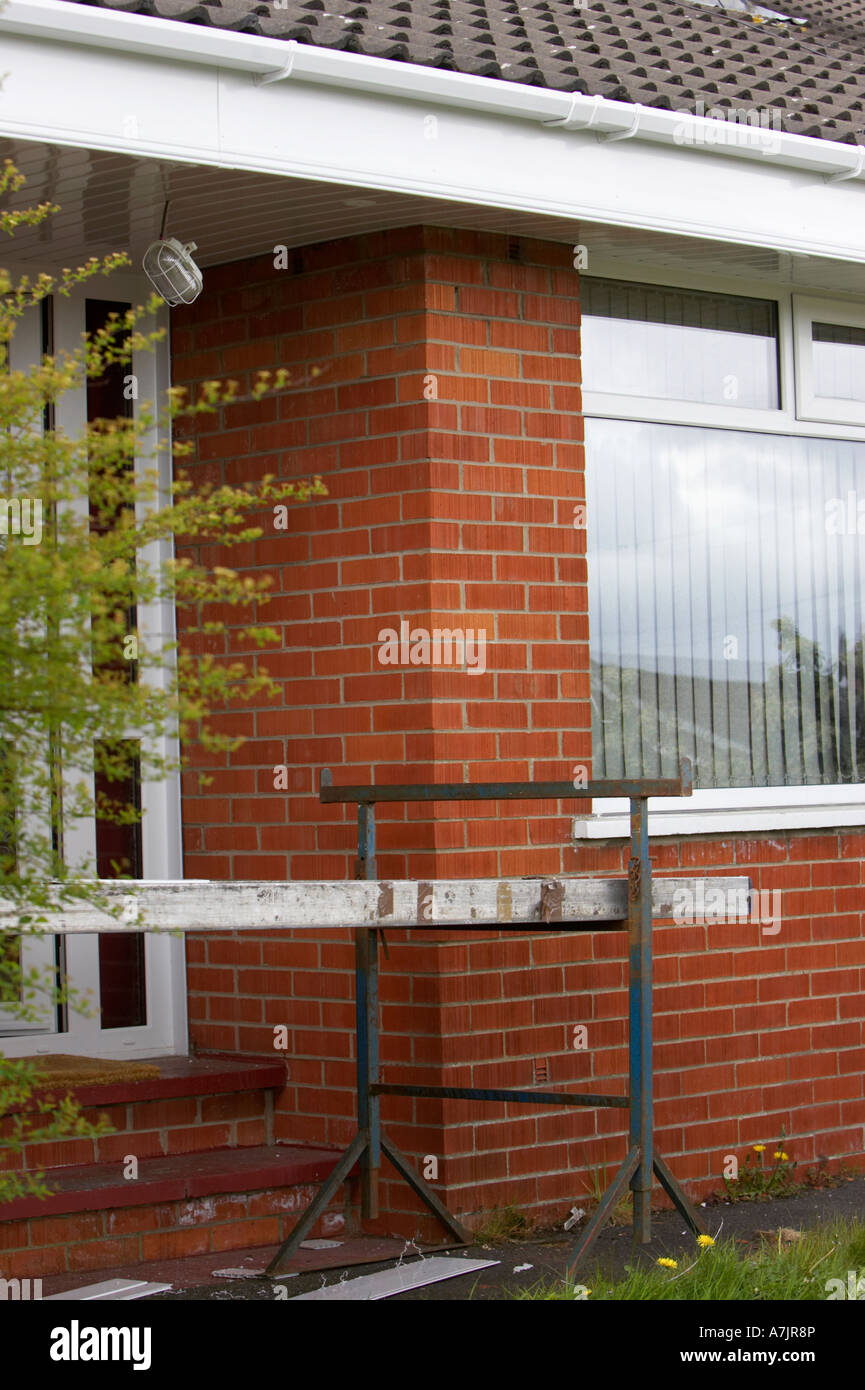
839, 361
646, 340
727, 622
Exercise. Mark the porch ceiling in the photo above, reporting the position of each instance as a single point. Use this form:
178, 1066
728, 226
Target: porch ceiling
111, 202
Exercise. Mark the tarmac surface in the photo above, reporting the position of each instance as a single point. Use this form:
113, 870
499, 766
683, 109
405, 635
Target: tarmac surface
546, 1253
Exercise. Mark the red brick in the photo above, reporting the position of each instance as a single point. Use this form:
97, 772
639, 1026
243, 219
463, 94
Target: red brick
103, 1254
35, 1264
175, 1245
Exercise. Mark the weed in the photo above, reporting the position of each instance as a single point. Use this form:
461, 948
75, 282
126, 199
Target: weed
622, 1212
818, 1175
758, 1179
503, 1223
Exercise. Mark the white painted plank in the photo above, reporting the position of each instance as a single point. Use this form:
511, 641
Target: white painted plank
212, 905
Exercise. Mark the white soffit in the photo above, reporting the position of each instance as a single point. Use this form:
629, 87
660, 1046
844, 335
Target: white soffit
100, 95
113, 202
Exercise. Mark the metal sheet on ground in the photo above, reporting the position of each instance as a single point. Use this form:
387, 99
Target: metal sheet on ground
112, 1289
371, 1287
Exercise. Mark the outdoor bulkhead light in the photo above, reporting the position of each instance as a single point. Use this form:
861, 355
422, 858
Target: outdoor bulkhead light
169, 266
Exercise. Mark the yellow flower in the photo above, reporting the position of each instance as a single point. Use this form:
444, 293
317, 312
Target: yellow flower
759, 1148
779, 1153
705, 1241
669, 1264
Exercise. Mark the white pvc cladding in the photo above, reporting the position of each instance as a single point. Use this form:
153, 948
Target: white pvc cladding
93, 78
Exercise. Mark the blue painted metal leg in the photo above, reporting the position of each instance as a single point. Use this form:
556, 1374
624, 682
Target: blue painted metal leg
366, 985
640, 1015
368, 1105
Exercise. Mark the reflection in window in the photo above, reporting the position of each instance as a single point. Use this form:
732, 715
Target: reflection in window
109, 403
117, 780
117, 788
839, 361
10, 944
686, 345
727, 621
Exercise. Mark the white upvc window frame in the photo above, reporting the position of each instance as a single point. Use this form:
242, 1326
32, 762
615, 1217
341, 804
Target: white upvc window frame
165, 1033
737, 810
809, 406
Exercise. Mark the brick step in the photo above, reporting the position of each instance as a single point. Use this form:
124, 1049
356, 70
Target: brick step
164, 1179
196, 1104
179, 1205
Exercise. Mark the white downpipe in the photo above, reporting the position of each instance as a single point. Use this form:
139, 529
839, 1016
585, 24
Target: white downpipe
273, 60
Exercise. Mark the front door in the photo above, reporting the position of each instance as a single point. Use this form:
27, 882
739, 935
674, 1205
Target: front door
133, 985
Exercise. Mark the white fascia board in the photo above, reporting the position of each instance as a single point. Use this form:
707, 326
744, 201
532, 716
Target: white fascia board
97, 79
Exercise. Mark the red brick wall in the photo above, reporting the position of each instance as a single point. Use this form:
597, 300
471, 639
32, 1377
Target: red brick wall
444, 422
754, 1032
457, 511
453, 511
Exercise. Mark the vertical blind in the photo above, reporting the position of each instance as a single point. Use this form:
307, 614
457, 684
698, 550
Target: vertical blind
839, 361
726, 605
687, 345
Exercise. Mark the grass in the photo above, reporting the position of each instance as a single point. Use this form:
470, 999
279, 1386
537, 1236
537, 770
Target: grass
730, 1271
501, 1224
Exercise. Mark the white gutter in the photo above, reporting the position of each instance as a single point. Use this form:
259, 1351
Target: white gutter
273, 60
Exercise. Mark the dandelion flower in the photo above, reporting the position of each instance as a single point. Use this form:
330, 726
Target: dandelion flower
669, 1264
705, 1242
779, 1153
759, 1148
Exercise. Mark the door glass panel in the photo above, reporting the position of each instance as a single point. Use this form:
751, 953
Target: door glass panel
122, 993
10, 946
10, 959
